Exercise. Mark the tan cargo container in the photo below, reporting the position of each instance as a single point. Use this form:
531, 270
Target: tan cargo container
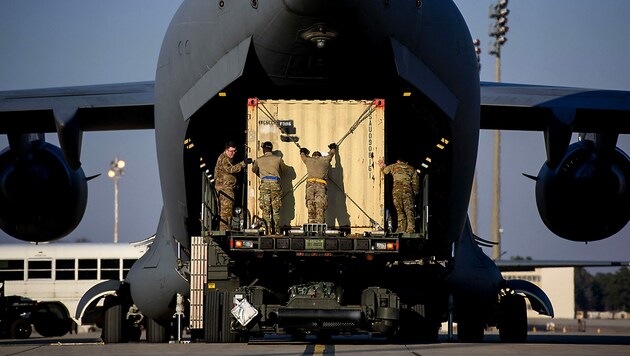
355, 185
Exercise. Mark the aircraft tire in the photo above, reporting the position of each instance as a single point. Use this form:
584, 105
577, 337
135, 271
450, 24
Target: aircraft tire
156, 333
470, 330
513, 325
134, 333
113, 325
21, 329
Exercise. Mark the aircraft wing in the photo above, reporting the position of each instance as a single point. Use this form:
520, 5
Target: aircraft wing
130, 106
124, 106
530, 107
530, 265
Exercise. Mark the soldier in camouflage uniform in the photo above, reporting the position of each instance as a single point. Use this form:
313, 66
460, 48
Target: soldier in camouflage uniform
317, 172
269, 168
225, 182
406, 186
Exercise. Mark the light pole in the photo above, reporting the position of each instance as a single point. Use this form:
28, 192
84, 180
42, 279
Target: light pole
473, 193
499, 12
115, 172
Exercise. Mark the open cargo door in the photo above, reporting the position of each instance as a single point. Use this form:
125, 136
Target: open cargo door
355, 185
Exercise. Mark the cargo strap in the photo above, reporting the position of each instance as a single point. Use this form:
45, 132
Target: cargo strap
317, 180
374, 222
268, 113
296, 185
364, 115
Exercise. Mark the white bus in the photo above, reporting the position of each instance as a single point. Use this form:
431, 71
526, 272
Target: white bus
63, 272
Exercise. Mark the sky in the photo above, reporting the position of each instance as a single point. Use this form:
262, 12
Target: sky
576, 43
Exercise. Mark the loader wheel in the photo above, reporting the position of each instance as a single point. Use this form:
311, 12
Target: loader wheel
227, 335
211, 318
52, 319
513, 324
416, 328
21, 329
219, 318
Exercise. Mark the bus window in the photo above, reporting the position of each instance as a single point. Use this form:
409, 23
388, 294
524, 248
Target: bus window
11, 270
87, 269
39, 269
64, 269
110, 269
127, 263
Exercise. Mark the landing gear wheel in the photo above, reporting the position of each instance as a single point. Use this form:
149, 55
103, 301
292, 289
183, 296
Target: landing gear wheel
113, 325
135, 333
156, 333
470, 330
21, 329
513, 324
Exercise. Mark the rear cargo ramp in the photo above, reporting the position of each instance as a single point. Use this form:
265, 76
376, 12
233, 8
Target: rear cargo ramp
355, 185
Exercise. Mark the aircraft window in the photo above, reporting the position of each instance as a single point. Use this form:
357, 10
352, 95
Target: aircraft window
64, 269
11, 270
39, 269
87, 269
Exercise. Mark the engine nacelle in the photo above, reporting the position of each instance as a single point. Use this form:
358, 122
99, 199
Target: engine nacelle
586, 197
41, 197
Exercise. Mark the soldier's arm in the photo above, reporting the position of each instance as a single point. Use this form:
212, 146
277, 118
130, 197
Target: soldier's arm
231, 168
415, 182
331, 154
255, 168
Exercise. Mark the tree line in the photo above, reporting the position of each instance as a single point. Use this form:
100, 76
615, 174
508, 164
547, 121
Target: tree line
603, 291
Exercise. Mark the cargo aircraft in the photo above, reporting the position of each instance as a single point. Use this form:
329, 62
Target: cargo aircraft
418, 57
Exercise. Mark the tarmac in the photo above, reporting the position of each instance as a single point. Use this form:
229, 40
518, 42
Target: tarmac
600, 337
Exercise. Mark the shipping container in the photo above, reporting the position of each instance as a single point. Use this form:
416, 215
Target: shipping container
355, 185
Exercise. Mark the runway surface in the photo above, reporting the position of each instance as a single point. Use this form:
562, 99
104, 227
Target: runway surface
603, 338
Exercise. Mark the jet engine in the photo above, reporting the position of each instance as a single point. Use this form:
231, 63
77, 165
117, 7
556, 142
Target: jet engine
586, 197
41, 197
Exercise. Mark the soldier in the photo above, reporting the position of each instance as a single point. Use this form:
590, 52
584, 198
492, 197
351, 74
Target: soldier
406, 186
317, 170
225, 183
269, 168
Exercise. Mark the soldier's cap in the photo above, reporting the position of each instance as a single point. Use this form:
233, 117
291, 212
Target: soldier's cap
267, 144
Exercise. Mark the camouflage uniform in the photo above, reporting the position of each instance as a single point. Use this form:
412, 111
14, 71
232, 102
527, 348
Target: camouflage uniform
406, 186
269, 168
316, 192
225, 183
